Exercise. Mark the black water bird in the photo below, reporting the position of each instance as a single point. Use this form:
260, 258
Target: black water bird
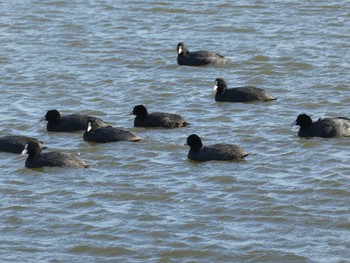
95, 133
198, 58
239, 94
218, 152
69, 123
157, 119
16, 143
37, 159
323, 127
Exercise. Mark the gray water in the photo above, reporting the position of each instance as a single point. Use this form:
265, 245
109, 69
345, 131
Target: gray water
144, 201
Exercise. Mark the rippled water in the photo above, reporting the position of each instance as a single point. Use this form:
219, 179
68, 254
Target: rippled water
144, 201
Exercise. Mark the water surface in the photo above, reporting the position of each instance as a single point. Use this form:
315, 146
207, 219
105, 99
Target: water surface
144, 201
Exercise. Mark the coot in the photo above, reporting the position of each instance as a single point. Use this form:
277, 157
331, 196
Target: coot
157, 119
198, 58
239, 94
94, 133
68, 123
326, 127
16, 143
36, 159
218, 152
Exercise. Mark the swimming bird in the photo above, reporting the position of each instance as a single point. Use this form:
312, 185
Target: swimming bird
323, 127
16, 143
218, 152
36, 159
239, 94
94, 133
68, 123
157, 119
198, 58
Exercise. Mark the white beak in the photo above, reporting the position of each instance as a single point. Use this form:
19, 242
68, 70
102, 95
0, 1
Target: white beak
25, 151
180, 50
89, 127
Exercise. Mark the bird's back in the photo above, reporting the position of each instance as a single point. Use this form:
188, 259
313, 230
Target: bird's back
53, 159
162, 119
73, 122
15, 143
200, 58
244, 94
110, 134
327, 127
219, 152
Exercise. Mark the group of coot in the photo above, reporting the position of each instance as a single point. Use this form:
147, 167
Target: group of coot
325, 127
96, 130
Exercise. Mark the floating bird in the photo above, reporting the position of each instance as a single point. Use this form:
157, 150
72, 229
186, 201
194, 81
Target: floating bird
36, 159
69, 123
94, 133
239, 94
218, 152
326, 127
198, 58
16, 143
157, 119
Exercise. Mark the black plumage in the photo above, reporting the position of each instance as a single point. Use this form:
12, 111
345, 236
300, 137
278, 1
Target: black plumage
218, 152
16, 143
95, 133
157, 119
239, 94
198, 58
69, 123
323, 127
37, 159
